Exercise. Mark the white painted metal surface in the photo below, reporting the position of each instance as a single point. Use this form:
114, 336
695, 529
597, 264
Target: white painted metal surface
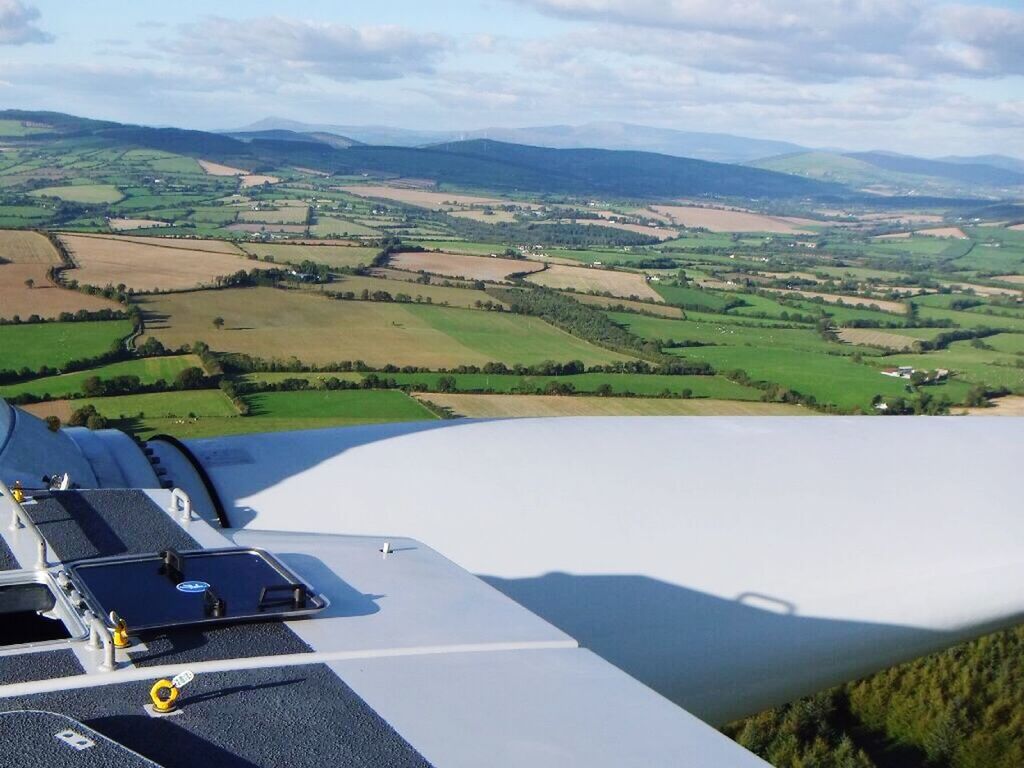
454, 708
731, 564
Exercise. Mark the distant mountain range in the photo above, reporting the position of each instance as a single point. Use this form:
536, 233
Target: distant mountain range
996, 161
502, 165
889, 173
477, 163
877, 171
716, 147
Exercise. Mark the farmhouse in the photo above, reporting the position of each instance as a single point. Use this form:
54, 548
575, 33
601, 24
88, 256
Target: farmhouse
903, 372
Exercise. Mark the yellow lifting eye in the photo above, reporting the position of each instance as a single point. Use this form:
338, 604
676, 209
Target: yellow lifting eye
164, 693
121, 634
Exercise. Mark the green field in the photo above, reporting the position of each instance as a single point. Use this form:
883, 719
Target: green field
725, 334
281, 324
433, 294
971, 319
15, 128
149, 370
621, 383
326, 227
82, 193
202, 402
459, 246
56, 344
691, 297
978, 366
354, 406
331, 255
828, 378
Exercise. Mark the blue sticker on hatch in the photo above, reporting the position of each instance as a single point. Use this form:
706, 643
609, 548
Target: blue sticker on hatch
193, 587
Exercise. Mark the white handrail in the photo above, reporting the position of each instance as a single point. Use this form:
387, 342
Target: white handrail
99, 635
19, 520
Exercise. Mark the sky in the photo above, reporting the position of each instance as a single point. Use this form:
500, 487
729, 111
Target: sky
927, 77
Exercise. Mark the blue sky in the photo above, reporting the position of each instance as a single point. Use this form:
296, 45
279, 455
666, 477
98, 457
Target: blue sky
922, 76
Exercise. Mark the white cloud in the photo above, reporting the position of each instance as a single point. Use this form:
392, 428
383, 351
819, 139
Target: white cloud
825, 40
289, 49
18, 24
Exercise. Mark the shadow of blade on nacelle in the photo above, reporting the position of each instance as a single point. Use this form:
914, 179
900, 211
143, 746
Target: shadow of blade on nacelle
720, 659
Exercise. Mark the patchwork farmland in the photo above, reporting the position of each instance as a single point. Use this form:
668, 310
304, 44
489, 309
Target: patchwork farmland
392, 287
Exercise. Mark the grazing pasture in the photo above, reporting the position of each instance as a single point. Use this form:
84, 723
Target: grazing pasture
327, 226
519, 406
253, 228
286, 215
495, 269
202, 402
336, 256
713, 332
273, 323
354, 406
830, 379
651, 385
82, 193
147, 266
149, 370
432, 294
595, 280
55, 344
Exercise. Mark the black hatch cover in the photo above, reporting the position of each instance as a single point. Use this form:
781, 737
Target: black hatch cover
170, 589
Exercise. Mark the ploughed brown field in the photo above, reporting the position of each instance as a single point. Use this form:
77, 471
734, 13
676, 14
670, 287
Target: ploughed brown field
145, 264
185, 243
729, 220
424, 198
662, 310
589, 279
1011, 405
119, 225
852, 301
662, 233
872, 338
44, 298
248, 179
956, 232
23, 247
457, 265
476, 214
217, 169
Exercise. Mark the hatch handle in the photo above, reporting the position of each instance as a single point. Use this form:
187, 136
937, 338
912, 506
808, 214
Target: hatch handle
296, 597
173, 565
213, 604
